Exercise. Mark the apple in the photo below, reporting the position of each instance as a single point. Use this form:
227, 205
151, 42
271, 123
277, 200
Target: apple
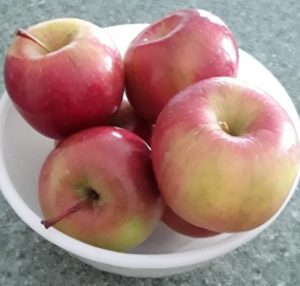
64, 75
225, 155
98, 186
128, 119
176, 223
178, 50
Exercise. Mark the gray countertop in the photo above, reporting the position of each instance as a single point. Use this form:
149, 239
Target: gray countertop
269, 30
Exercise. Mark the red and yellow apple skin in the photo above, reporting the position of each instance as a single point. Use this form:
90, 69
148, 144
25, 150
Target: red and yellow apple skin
178, 50
78, 84
225, 155
181, 226
116, 164
128, 119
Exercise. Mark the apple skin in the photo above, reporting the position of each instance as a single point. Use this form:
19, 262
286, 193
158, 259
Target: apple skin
176, 223
178, 50
225, 179
116, 164
128, 119
78, 85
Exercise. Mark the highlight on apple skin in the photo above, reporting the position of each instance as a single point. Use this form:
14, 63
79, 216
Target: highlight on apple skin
225, 155
98, 186
176, 223
64, 75
178, 50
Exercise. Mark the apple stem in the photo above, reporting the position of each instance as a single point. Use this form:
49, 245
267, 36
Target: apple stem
50, 222
22, 33
224, 126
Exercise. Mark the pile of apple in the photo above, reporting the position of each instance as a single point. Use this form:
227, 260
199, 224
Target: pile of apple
223, 157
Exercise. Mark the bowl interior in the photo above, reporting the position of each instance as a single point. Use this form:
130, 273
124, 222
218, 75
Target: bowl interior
23, 150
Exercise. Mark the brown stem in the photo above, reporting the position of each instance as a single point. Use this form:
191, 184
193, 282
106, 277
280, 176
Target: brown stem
22, 33
224, 126
50, 222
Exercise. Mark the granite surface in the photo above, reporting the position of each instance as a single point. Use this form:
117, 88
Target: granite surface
267, 29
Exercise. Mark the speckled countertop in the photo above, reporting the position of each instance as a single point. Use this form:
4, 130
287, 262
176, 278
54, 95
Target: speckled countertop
269, 30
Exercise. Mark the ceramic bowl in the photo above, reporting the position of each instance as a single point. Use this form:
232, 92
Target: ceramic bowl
23, 150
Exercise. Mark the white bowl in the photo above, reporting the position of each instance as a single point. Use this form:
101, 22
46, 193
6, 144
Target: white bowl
22, 151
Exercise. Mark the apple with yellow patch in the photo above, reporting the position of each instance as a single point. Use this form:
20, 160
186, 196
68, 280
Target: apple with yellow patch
98, 186
225, 155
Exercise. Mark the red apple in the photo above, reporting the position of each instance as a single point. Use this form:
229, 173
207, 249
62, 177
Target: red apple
178, 50
178, 224
225, 155
128, 119
64, 75
98, 186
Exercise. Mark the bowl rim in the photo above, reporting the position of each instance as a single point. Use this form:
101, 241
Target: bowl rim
119, 259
